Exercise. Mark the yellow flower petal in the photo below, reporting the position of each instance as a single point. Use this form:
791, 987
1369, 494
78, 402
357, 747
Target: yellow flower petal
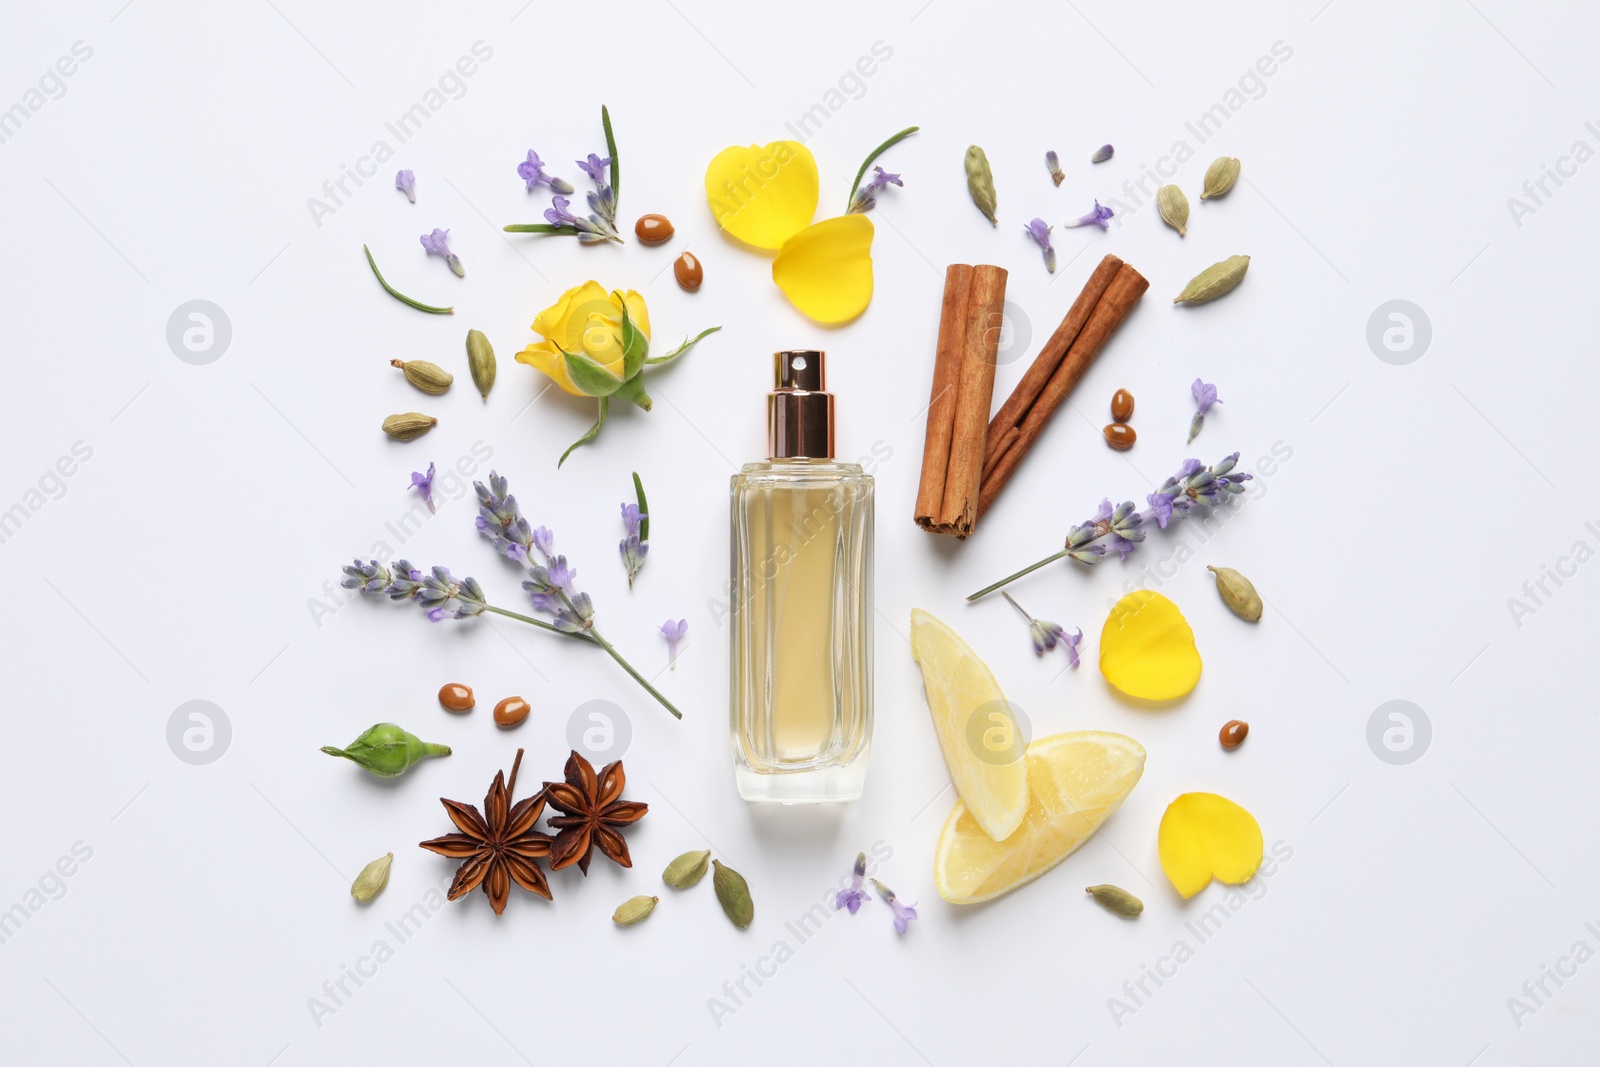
763, 195
586, 318
550, 323
543, 356
638, 312
826, 270
1147, 649
1204, 836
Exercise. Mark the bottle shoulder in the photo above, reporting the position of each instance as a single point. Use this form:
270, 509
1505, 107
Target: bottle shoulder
777, 472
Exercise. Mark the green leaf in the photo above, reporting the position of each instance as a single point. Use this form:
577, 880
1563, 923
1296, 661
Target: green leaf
644, 508
876, 152
611, 150
635, 345
633, 389
540, 227
594, 431
681, 349
590, 377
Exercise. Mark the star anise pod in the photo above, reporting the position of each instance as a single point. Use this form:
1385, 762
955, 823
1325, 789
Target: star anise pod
592, 808
499, 846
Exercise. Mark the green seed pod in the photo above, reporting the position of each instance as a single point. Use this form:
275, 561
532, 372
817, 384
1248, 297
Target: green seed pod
409, 425
1237, 592
429, 377
387, 751
634, 910
1220, 177
372, 879
480, 360
733, 893
980, 183
687, 869
1116, 900
1216, 280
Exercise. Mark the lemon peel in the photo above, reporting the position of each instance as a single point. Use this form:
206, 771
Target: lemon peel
1204, 836
1147, 648
826, 270
763, 194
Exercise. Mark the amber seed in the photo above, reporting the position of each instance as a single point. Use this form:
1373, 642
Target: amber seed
686, 268
653, 229
1121, 406
1120, 436
456, 697
1233, 734
511, 711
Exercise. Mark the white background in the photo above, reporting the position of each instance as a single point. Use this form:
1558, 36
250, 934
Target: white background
184, 559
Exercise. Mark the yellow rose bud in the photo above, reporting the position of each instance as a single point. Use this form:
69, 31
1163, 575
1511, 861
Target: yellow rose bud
586, 321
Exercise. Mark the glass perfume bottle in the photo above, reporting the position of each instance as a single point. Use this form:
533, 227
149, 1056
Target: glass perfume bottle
800, 699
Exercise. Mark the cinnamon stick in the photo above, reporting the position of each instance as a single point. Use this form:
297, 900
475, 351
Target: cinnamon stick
1040, 399
942, 407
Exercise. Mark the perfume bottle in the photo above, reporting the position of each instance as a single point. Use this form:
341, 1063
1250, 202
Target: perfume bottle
800, 700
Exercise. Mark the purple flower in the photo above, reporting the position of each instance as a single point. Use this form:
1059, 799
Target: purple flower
1040, 232
544, 540
561, 575
557, 214
406, 182
424, 483
1053, 162
867, 195
531, 171
903, 913
595, 168
1103, 153
1161, 504
852, 897
1046, 634
1070, 642
435, 245
1204, 396
1100, 217
673, 632
633, 548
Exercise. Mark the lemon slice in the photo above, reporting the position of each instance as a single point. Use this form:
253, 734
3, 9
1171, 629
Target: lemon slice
978, 733
1075, 782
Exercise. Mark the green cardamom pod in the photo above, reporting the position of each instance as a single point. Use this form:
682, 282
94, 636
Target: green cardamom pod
1237, 592
1116, 900
733, 893
387, 750
1216, 280
408, 426
634, 910
687, 869
980, 183
429, 377
373, 877
1220, 176
1174, 208
480, 360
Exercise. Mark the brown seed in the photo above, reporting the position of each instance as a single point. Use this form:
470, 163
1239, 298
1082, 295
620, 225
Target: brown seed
511, 711
653, 229
1233, 734
1121, 406
1120, 436
686, 268
456, 697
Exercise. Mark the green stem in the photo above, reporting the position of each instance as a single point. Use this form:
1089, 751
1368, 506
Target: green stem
590, 436
656, 361
625, 665
986, 590
876, 152
611, 150
540, 623
540, 227
397, 294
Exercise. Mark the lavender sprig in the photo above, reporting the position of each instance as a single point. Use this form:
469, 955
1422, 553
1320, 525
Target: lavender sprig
550, 583
606, 173
1194, 486
633, 546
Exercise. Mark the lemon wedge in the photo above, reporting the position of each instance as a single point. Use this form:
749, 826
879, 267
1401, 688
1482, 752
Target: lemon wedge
1075, 781
977, 730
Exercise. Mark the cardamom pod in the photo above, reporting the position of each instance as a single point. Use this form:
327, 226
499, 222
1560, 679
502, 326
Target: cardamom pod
733, 893
1216, 280
410, 425
687, 869
429, 377
634, 910
480, 360
1116, 900
1220, 176
1174, 208
980, 183
373, 877
1237, 592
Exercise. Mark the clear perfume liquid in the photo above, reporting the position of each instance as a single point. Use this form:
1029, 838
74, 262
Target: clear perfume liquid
801, 599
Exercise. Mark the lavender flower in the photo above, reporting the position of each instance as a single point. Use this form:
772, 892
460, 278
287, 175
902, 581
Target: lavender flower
590, 230
1040, 232
903, 913
1047, 635
531, 171
1204, 396
424, 483
852, 897
595, 168
1192, 487
603, 201
632, 546
866, 197
406, 182
439, 593
1053, 162
673, 632
1103, 153
1100, 217
434, 244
